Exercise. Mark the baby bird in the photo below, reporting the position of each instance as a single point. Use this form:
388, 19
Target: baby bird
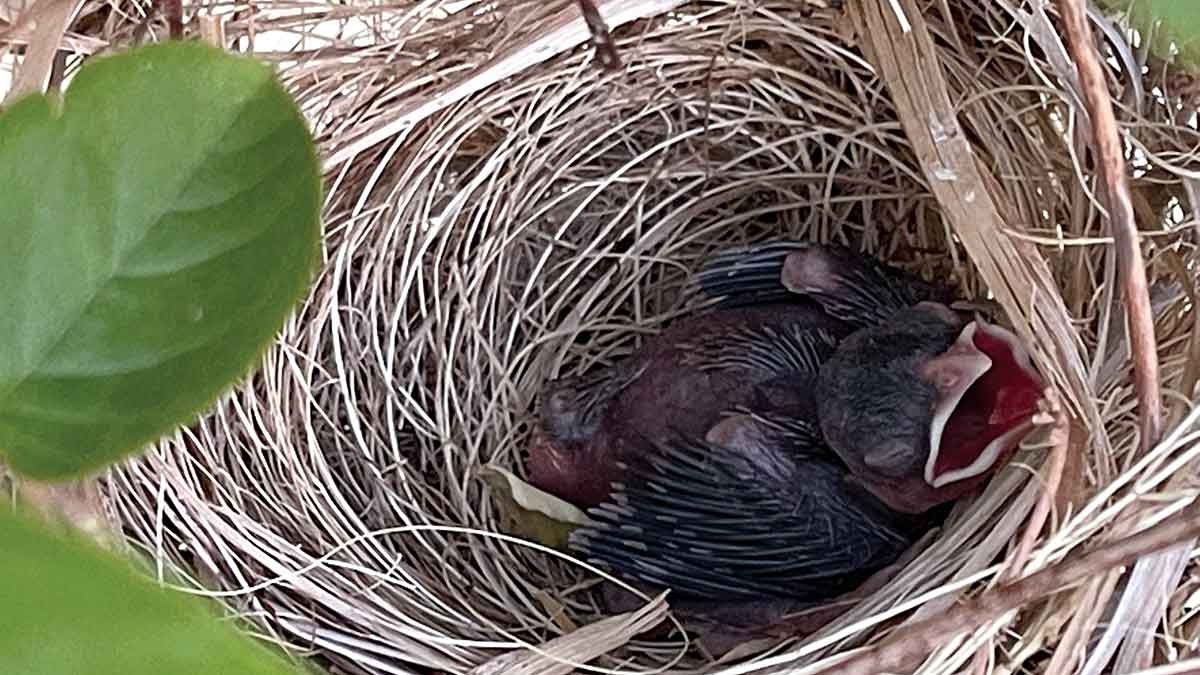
780, 448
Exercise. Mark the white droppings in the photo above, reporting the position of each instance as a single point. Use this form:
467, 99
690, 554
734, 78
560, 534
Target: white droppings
944, 173
940, 130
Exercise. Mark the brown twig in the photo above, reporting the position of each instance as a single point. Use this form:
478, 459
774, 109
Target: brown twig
904, 650
1130, 266
1123, 228
173, 11
606, 51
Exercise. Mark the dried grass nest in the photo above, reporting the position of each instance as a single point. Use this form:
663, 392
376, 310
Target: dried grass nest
501, 211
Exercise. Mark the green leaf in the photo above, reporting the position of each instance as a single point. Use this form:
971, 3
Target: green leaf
1170, 25
530, 513
157, 228
70, 608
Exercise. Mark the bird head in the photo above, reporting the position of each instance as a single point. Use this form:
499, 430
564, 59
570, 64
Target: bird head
921, 402
924, 405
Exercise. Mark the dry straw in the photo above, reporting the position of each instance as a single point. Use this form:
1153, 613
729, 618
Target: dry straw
500, 210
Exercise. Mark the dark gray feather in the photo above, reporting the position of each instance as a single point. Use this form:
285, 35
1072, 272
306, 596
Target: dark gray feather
747, 275
764, 352
704, 522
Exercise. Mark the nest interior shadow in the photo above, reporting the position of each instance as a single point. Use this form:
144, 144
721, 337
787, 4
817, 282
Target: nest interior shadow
545, 224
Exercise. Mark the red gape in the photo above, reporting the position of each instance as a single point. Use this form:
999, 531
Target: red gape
1003, 398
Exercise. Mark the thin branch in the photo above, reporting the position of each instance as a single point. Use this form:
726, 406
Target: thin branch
905, 649
1123, 228
173, 11
606, 51
1130, 265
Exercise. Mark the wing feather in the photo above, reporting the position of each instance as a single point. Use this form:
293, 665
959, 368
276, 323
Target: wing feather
705, 523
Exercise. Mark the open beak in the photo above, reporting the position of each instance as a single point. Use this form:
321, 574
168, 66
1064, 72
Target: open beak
987, 395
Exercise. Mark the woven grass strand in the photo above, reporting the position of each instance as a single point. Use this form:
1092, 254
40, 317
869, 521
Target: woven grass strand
501, 212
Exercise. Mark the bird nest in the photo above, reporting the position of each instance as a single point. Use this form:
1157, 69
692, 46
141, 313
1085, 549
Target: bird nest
501, 210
